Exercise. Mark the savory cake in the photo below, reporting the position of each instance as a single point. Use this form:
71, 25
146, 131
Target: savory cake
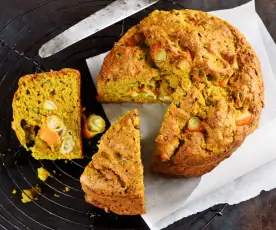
47, 114
203, 66
113, 180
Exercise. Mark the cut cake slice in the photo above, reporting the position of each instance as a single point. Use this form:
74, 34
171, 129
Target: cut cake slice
113, 180
47, 114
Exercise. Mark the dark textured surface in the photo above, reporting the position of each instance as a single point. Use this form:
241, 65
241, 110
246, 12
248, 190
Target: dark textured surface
26, 25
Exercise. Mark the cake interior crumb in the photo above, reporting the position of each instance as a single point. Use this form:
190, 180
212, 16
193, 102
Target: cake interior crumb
29, 195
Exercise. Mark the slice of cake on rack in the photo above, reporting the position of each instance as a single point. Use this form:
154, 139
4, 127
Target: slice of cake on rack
47, 114
113, 180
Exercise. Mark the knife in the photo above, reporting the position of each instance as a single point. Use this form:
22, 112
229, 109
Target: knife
103, 18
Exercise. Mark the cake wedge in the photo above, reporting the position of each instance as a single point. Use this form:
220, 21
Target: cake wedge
113, 180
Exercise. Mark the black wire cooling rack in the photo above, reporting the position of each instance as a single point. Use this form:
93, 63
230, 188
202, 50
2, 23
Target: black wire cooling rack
19, 171
56, 207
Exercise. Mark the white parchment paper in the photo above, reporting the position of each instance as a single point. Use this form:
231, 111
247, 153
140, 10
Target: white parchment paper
173, 199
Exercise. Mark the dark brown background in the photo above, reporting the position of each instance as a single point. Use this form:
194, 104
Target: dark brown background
256, 214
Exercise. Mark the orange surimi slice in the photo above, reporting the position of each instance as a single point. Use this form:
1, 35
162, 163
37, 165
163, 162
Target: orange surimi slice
49, 136
244, 119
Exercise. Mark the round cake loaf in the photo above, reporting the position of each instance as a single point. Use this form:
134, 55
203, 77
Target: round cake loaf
208, 72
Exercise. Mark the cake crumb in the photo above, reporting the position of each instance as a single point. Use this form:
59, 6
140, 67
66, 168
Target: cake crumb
56, 195
54, 171
67, 189
66, 161
14, 191
28, 195
43, 174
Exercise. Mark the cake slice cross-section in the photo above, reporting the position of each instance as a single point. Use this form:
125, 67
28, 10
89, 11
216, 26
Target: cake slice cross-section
47, 114
113, 180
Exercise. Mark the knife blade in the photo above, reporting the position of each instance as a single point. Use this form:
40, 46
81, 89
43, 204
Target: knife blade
103, 18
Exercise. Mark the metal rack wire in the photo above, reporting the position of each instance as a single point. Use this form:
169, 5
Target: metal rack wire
31, 184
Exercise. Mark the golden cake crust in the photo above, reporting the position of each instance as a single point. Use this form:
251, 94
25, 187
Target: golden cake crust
206, 68
49, 97
113, 180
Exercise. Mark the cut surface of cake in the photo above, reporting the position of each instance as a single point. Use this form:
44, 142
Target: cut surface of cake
209, 73
47, 114
113, 180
